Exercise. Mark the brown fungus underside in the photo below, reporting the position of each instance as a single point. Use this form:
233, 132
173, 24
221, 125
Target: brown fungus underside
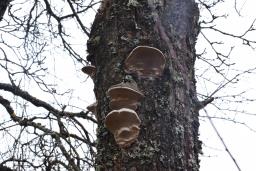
124, 125
123, 122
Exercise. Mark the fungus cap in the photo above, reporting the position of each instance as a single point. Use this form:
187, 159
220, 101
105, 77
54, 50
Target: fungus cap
121, 118
89, 70
124, 95
92, 107
145, 61
125, 90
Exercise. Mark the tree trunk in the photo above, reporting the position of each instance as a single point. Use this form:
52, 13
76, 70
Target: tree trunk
168, 138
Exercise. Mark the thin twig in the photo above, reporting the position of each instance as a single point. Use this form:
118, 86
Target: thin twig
40, 103
222, 141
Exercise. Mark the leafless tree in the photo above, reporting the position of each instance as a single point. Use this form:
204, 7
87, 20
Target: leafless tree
48, 126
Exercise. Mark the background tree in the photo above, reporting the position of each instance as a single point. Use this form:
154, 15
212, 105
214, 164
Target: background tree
40, 37
3, 6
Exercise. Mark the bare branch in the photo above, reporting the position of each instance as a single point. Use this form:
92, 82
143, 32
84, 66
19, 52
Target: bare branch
204, 103
222, 141
39, 103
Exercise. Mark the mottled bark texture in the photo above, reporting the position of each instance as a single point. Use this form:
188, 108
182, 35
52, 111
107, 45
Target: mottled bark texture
168, 139
3, 6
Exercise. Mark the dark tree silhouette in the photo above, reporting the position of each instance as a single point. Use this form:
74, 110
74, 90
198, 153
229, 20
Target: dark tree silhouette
3, 6
4, 168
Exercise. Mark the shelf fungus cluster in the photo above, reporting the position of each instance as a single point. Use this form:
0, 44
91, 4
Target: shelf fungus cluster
145, 62
123, 121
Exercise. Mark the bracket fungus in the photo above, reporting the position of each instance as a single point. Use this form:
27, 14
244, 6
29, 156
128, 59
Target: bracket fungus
89, 70
145, 61
92, 108
124, 95
124, 124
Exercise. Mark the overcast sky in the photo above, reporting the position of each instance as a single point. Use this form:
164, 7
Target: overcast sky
239, 138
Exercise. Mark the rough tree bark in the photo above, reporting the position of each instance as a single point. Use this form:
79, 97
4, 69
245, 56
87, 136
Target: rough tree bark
168, 139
